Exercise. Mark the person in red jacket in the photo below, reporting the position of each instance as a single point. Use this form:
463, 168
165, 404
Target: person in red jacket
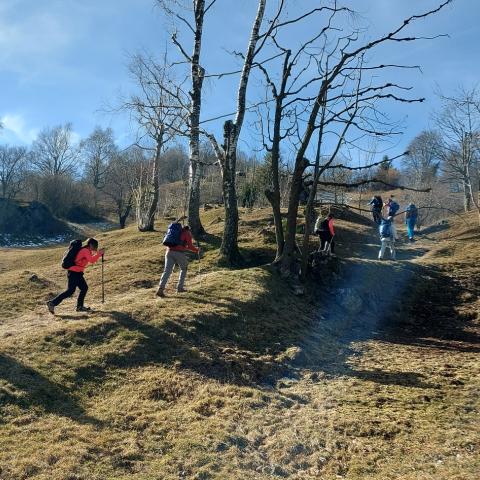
176, 256
87, 254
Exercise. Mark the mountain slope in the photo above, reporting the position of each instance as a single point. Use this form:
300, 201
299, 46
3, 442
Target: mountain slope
371, 374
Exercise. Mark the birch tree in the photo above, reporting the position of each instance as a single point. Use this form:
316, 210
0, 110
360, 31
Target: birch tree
197, 10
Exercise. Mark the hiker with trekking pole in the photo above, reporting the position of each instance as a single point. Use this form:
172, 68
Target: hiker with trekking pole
75, 260
324, 229
178, 240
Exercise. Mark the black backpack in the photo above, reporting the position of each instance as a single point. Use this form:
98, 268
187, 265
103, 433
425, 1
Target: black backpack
377, 202
324, 225
68, 259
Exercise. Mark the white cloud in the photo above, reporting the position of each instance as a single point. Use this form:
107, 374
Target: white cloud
15, 129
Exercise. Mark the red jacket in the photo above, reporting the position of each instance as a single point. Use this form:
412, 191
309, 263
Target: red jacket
186, 240
83, 258
330, 227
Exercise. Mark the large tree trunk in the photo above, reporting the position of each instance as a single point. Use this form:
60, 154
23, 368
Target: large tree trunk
198, 74
274, 198
123, 214
229, 248
288, 255
228, 155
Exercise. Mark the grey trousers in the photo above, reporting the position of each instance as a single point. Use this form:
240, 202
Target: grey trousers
173, 258
390, 243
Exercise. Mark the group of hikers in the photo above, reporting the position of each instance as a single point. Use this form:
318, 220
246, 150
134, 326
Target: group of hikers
384, 216
178, 241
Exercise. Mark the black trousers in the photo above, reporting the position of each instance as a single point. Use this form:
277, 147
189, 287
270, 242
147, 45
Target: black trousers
377, 215
326, 237
74, 280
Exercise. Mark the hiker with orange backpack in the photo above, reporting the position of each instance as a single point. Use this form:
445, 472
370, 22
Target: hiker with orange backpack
178, 240
75, 260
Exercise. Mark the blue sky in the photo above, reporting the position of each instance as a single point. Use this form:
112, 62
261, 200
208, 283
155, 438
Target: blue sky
62, 60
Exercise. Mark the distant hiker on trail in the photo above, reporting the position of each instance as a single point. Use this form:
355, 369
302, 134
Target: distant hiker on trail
377, 204
178, 240
388, 235
75, 260
324, 229
411, 214
392, 206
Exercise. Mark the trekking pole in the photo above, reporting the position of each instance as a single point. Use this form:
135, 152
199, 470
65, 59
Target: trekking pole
328, 250
199, 266
103, 283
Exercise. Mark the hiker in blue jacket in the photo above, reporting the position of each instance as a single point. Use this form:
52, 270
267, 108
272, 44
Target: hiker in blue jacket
411, 214
392, 206
388, 235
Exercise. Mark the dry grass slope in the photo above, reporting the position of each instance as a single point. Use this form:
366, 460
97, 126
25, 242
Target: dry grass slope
238, 378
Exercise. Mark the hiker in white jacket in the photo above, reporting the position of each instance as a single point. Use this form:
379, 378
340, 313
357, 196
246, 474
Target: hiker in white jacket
388, 235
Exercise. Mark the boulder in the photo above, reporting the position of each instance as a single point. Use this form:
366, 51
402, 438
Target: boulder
29, 219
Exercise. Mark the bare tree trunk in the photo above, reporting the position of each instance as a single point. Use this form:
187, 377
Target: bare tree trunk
147, 200
287, 257
227, 156
123, 215
229, 247
198, 74
274, 196
467, 197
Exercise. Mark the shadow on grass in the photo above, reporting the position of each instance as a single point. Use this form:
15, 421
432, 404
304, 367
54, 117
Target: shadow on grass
439, 227
431, 318
403, 379
28, 388
249, 344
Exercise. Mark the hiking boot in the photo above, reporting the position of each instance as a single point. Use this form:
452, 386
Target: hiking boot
51, 307
160, 292
181, 290
84, 309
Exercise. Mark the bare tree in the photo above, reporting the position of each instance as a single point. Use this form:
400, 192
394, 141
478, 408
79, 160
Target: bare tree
54, 152
422, 161
198, 10
121, 178
159, 113
12, 170
342, 82
459, 124
97, 150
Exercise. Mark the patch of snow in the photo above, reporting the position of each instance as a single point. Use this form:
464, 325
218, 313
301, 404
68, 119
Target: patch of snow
13, 241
